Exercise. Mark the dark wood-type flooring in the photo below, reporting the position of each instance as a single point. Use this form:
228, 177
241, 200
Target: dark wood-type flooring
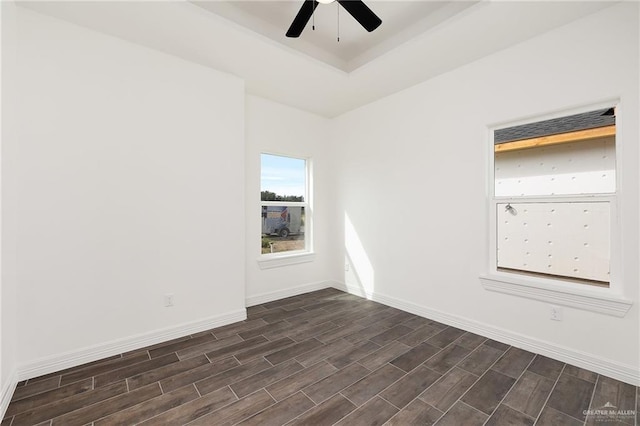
324, 358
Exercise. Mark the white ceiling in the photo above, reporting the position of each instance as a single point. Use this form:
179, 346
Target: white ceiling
251, 46
401, 21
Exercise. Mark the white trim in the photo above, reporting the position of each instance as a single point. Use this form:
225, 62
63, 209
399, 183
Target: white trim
594, 300
268, 261
93, 353
259, 299
626, 373
7, 392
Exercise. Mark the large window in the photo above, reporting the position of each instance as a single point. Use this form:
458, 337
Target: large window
554, 197
285, 212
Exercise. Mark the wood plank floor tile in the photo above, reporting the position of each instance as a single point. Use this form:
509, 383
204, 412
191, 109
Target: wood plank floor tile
231, 376
175, 347
448, 389
99, 368
263, 349
571, 396
391, 334
169, 370
278, 326
36, 388
581, 373
109, 406
551, 417
513, 362
496, 345
366, 333
374, 413
504, 415
67, 405
418, 335
447, 358
34, 401
281, 412
546, 367
209, 346
619, 394
445, 337
338, 332
486, 393
266, 377
416, 322
480, 359
132, 370
325, 414
151, 408
383, 355
314, 331
293, 351
369, 386
529, 394
410, 386
414, 357
416, 413
334, 383
354, 353
321, 353
462, 414
470, 341
235, 348
237, 411
194, 409
300, 380
77, 368
199, 373
238, 327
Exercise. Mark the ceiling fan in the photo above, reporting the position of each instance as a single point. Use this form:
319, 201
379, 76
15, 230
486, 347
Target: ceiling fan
356, 8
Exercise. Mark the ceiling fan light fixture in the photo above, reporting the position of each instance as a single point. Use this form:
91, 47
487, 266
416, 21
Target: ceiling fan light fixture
325, 1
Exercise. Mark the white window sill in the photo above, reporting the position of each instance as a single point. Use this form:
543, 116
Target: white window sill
269, 261
590, 299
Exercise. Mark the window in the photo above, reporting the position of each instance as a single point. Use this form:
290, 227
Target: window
284, 197
553, 229
554, 192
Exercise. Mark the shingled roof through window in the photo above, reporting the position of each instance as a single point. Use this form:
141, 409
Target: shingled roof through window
570, 123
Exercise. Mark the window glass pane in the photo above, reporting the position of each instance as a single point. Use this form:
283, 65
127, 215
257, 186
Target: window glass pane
282, 178
567, 239
570, 155
586, 167
282, 229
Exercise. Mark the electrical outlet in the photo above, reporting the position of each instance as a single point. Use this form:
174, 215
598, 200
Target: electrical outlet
556, 313
346, 267
168, 300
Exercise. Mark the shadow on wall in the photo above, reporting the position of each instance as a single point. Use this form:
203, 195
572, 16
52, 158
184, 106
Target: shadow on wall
359, 274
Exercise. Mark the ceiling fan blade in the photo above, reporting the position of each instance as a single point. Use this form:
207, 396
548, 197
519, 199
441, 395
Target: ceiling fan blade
362, 14
301, 19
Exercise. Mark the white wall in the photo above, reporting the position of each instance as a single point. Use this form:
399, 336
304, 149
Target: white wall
278, 129
129, 170
413, 171
8, 283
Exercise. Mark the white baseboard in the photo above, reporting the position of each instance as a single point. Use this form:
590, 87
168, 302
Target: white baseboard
259, 299
93, 353
622, 372
8, 388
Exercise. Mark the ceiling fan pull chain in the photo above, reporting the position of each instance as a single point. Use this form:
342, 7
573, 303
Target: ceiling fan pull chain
338, 9
313, 17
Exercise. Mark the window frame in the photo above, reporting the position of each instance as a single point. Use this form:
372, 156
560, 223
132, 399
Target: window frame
608, 300
279, 259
